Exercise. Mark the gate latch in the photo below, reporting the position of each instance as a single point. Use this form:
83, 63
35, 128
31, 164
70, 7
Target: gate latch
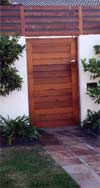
72, 61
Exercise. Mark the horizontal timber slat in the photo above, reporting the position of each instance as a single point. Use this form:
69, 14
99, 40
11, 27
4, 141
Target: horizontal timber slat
92, 13
49, 93
9, 27
49, 21
51, 33
51, 105
54, 67
53, 99
50, 55
53, 74
52, 80
51, 12
45, 20
91, 20
53, 117
51, 27
49, 42
51, 61
45, 49
52, 86
9, 13
52, 124
54, 110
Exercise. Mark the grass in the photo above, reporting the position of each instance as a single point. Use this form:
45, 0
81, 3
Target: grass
31, 167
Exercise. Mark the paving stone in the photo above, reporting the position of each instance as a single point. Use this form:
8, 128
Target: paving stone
98, 173
78, 154
97, 149
77, 169
70, 161
82, 152
62, 154
79, 146
55, 148
95, 165
86, 180
70, 142
91, 158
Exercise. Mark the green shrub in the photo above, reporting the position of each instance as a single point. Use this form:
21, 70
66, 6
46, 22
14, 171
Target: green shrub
10, 51
92, 120
18, 127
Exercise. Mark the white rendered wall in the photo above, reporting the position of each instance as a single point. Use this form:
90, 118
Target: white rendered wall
85, 50
16, 103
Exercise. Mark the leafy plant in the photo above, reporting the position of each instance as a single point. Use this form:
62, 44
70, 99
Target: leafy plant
18, 127
10, 50
97, 49
92, 120
93, 66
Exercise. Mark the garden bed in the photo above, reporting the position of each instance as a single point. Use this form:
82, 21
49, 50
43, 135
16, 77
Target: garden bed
90, 132
18, 141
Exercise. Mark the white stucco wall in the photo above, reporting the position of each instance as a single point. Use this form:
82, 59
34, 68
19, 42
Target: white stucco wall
16, 103
85, 50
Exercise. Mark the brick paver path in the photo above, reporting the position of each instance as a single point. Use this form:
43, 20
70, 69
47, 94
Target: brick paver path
77, 152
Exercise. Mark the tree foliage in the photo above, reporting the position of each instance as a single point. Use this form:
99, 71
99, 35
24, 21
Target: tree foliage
10, 51
93, 66
4, 2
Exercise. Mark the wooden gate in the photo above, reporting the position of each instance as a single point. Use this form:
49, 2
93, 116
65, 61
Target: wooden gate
53, 82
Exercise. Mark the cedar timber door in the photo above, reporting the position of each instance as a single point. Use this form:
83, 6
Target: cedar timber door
53, 82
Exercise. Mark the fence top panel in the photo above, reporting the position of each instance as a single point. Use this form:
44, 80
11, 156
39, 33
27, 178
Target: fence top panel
49, 21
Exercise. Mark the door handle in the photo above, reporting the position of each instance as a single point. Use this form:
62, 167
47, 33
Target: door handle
72, 61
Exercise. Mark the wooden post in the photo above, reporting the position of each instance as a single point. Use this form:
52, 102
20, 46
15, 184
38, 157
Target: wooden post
22, 20
80, 21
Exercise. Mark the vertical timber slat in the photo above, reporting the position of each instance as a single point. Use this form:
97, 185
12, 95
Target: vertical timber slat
80, 21
22, 20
